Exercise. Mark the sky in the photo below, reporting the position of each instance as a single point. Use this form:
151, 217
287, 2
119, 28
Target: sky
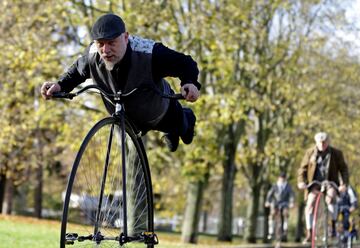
353, 15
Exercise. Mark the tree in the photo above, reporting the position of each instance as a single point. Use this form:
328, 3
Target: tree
32, 31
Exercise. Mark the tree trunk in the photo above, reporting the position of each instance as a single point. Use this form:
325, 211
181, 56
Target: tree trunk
38, 192
266, 225
2, 190
300, 221
22, 198
192, 212
266, 212
38, 146
253, 213
9, 196
226, 207
205, 220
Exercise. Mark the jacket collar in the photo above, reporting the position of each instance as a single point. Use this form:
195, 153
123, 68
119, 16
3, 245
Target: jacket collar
124, 64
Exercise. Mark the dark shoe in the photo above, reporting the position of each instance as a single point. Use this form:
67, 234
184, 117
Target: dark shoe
284, 238
187, 138
333, 229
172, 141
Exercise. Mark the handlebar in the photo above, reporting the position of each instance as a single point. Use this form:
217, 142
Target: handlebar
323, 184
86, 88
108, 95
63, 95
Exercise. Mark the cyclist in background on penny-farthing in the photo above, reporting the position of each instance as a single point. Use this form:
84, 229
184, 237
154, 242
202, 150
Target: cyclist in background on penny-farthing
322, 162
117, 61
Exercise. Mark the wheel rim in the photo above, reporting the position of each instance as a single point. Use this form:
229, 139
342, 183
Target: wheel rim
320, 224
82, 205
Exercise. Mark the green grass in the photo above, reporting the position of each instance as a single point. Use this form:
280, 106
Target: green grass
20, 232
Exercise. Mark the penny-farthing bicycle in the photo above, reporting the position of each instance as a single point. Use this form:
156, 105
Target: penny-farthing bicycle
109, 199
321, 218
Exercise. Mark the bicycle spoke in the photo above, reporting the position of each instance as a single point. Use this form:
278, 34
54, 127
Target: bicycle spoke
87, 214
320, 236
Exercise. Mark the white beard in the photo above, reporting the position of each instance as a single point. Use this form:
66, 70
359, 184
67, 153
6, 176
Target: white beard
109, 65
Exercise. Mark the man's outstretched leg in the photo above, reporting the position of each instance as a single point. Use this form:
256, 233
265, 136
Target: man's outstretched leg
189, 126
177, 122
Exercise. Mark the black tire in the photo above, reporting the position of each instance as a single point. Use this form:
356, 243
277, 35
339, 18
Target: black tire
83, 215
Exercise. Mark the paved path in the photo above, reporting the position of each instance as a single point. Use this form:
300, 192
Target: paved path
283, 245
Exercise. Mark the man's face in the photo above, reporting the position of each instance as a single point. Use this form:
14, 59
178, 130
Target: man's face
322, 145
281, 179
112, 51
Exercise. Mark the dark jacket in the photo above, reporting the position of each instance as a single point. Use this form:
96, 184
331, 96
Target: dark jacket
348, 199
145, 62
337, 171
280, 196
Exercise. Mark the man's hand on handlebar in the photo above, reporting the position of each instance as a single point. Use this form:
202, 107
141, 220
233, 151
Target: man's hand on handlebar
48, 88
190, 92
302, 185
342, 188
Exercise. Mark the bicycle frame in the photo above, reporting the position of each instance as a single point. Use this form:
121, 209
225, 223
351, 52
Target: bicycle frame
96, 233
148, 237
279, 221
120, 113
319, 198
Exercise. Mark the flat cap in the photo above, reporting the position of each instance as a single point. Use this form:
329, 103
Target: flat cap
282, 174
321, 137
107, 27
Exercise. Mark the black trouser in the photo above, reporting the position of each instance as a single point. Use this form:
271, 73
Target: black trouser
175, 120
346, 216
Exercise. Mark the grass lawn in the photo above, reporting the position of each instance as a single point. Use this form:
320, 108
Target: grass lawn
20, 232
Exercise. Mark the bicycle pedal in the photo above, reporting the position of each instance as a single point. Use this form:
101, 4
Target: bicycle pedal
71, 235
69, 242
150, 238
70, 238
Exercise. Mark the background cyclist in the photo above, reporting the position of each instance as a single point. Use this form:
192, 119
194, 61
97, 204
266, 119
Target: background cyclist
322, 162
348, 202
117, 61
279, 198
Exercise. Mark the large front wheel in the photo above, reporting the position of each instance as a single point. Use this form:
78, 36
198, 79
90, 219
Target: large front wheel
319, 236
96, 212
